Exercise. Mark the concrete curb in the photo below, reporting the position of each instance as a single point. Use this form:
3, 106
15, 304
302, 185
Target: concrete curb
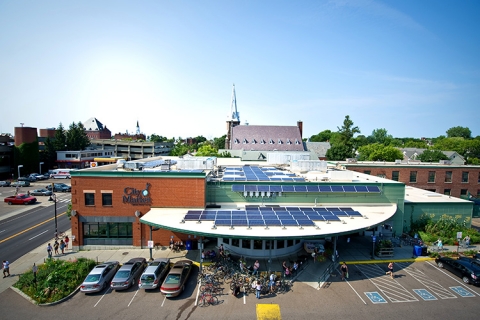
61, 300
393, 260
22, 294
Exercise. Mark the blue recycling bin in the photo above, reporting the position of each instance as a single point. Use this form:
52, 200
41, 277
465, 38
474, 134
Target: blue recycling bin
417, 251
188, 244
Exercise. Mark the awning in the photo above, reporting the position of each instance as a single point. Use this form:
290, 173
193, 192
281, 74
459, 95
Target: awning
172, 219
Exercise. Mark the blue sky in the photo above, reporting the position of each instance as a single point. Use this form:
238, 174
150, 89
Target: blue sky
411, 67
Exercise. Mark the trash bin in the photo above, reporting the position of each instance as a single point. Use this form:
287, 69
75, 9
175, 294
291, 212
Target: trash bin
424, 251
417, 251
188, 244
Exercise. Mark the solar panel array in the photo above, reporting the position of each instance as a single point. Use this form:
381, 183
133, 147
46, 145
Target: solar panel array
305, 188
272, 216
249, 173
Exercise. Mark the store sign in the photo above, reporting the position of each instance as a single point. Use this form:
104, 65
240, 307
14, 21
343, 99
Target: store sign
136, 196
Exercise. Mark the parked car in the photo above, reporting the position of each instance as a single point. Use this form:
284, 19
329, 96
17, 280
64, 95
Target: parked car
99, 277
20, 184
20, 199
41, 192
175, 280
4, 183
28, 179
59, 187
154, 273
464, 268
38, 176
128, 273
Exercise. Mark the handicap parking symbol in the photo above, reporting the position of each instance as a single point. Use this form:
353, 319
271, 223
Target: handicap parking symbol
375, 297
462, 292
424, 294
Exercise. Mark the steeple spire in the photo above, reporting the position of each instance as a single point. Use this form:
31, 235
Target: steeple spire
235, 115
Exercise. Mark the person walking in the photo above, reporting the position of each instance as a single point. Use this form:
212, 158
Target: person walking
467, 241
256, 266
344, 270
390, 269
271, 283
6, 268
55, 246
62, 246
67, 240
49, 251
439, 244
259, 289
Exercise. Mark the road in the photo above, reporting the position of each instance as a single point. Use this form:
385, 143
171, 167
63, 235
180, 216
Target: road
23, 228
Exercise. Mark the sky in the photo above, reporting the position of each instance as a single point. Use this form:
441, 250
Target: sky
410, 67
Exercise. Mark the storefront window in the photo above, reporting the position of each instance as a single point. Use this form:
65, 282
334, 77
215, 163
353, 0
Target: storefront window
289, 243
235, 243
106, 199
257, 244
245, 244
107, 230
280, 244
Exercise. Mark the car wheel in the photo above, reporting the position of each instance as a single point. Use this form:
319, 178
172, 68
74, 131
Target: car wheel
440, 264
9, 203
466, 280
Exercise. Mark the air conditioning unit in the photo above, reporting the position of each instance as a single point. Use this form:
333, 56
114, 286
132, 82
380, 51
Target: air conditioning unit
446, 162
351, 160
398, 161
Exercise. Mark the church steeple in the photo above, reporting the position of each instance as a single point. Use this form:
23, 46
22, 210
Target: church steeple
233, 119
138, 128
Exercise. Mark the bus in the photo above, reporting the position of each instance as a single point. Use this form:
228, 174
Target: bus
60, 174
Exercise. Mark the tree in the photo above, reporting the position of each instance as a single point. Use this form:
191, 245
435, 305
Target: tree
206, 151
452, 144
49, 155
432, 155
157, 138
379, 152
76, 137
323, 136
347, 131
339, 152
381, 136
60, 142
219, 143
180, 149
419, 144
342, 144
459, 132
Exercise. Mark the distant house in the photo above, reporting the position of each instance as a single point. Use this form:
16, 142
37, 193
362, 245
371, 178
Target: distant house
319, 149
96, 130
410, 154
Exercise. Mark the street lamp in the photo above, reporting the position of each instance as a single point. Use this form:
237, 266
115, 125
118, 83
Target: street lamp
40, 172
19, 166
53, 198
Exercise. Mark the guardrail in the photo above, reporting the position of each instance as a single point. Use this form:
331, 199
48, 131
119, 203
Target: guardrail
326, 274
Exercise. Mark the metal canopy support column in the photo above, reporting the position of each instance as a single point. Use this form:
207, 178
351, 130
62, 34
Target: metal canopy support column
200, 246
334, 254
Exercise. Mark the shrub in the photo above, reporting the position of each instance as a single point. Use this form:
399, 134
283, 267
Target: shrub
56, 279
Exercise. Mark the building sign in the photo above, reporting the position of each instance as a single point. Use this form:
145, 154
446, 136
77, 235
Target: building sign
137, 197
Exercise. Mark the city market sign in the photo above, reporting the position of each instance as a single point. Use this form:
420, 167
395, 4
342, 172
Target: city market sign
137, 197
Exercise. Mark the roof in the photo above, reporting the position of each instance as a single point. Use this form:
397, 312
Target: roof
319, 148
413, 153
266, 138
93, 124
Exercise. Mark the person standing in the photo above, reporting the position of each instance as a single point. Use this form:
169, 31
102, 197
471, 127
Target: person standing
49, 251
6, 268
390, 269
62, 246
344, 270
271, 284
67, 240
256, 266
439, 244
34, 271
467, 241
259, 289
55, 246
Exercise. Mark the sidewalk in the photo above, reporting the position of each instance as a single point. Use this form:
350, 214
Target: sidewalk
359, 250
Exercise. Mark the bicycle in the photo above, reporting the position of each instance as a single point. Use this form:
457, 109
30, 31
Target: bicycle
59, 235
207, 299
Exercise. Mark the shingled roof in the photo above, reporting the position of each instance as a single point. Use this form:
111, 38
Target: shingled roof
266, 138
93, 124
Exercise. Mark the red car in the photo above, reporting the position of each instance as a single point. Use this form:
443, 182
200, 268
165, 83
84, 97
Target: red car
20, 199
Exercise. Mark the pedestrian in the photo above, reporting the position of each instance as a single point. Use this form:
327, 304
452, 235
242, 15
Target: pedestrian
67, 240
271, 283
439, 244
295, 268
49, 251
315, 254
344, 270
6, 268
390, 269
467, 241
55, 246
259, 289
236, 290
256, 266
34, 271
62, 246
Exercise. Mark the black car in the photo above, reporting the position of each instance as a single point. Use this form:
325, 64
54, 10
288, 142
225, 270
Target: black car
465, 268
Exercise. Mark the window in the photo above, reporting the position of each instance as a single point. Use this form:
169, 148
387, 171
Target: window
448, 176
381, 175
107, 230
431, 176
279, 141
463, 192
447, 192
235, 242
289, 243
106, 199
413, 176
258, 244
271, 141
280, 244
465, 176
367, 171
245, 244
89, 199
395, 175
245, 141
479, 177
478, 193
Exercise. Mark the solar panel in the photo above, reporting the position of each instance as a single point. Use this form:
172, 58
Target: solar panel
321, 210
275, 188
280, 209
208, 215
194, 211
300, 188
340, 213
337, 189
354, 213
289, 222
266, 209
250, 188
288, 189
334, 209
324, 189
287, 179
263, 188
296, 214
292, 208
193, 217
298, 179
239, 222
312, 188
361, 188
256, 222
306, 223
239, 179
275, 179
306, 209
238, 188
223, 222
228, 179
349, 189
373, 189
346, 209
272, 222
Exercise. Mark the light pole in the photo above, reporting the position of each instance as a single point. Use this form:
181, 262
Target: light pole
40, 172
19, 166
53, 198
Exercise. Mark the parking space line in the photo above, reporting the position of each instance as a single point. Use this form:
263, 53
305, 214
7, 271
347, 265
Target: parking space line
463, 285
164, 299
462, 292
425, 295
346, 280
133, 297
390, 288
430, 284
106, 291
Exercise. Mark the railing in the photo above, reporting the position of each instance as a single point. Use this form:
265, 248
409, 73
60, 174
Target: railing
326, 274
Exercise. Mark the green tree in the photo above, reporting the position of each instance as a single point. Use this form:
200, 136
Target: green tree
459, 132
157, 138
342, 145
27, 155
347, 131
379, 152
432, 155
452, 144
219, 143
419, 144
207, 151
60, 141
49, 155
76, 137
381, 136
323, 136
339, 152
180, 149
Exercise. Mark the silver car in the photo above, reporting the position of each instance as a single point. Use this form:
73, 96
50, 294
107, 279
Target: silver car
99, 277
154, 273
128, 272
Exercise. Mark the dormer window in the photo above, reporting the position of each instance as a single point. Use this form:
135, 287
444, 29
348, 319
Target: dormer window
262, 141
254, 141
279, 141
288, 141
296, 141
236, 141
271, 141
245, 141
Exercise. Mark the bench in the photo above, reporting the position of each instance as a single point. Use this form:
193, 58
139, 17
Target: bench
385, 252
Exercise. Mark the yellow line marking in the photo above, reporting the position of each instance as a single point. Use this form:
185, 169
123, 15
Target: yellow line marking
32, 227
268, 312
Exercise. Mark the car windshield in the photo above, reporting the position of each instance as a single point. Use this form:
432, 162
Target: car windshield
92, 278
122, 274
172, 279
148, 277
